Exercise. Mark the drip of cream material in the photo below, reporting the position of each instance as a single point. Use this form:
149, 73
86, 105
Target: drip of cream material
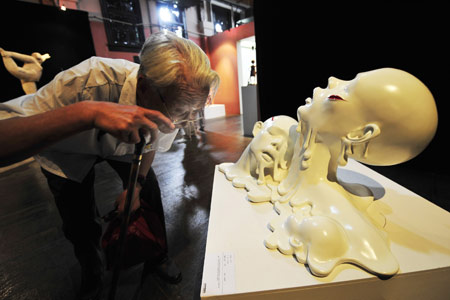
318, 220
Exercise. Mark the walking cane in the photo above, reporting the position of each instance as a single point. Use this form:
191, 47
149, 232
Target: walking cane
137, 157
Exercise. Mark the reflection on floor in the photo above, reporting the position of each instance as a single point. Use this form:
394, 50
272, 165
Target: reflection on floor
36, 261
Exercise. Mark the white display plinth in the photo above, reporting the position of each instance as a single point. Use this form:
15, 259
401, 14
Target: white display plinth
239, 266
214, 111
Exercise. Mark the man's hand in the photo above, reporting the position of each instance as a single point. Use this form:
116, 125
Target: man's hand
125, 121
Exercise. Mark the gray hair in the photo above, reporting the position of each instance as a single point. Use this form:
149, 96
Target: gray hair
169, 61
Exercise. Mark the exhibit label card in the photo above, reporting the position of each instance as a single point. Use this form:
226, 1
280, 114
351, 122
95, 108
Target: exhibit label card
219, 274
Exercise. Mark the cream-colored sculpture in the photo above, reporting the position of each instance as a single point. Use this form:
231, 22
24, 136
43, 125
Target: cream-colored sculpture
30, 72
381, 117
265, 161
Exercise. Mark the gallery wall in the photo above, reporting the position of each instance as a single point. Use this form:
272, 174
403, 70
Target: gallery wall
99, 34
222, 52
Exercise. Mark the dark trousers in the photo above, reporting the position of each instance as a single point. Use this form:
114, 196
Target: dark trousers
81, 221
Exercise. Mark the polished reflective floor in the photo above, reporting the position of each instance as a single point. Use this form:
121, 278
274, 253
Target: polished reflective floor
36, 261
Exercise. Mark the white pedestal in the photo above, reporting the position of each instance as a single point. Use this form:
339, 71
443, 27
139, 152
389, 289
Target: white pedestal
250, 109
239, 266
214, 111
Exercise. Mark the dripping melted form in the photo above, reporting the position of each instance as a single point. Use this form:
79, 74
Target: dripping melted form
319, 225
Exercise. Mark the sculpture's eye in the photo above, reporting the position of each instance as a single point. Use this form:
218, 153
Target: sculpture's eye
335, 98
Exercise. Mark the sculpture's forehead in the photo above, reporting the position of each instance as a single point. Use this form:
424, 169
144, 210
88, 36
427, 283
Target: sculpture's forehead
380, 79
278, 125
363, 85
273, 128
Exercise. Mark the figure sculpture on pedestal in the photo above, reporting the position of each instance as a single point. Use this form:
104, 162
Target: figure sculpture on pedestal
30, 72
381, 117
252, 78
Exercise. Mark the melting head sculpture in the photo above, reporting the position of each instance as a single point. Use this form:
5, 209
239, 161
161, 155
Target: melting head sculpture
381, 117
272, 147
266, 159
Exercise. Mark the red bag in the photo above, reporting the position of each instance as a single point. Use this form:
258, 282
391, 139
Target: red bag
145, 239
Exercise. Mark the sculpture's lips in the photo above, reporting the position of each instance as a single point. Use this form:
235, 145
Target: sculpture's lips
335, 98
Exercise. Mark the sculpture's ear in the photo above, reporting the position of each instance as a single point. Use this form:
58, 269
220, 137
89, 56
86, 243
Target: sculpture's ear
257, 127
361, 136
356, 143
